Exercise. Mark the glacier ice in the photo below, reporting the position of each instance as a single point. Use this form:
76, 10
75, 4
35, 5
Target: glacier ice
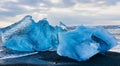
80, 43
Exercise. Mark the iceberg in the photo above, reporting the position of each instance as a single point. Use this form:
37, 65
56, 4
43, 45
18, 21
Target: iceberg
84, 42
38, 36
80, 43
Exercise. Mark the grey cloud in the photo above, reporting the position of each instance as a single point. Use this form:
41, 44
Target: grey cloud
12, 9
15, 9
112, 2
12, 13
107, 2
64, 3
84, 1
30, 2
70, 19
74, 19
108, 17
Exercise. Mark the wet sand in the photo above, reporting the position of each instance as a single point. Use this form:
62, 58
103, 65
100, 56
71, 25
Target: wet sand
52, 59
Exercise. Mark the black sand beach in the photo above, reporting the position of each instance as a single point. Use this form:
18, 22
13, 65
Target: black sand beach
52, 59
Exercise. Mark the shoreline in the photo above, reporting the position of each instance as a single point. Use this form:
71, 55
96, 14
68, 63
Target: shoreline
52, 59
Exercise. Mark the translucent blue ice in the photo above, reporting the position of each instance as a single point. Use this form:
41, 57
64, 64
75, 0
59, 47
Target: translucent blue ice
34, 37
80, 44
20, 43
84, 42
45, 36
23, 26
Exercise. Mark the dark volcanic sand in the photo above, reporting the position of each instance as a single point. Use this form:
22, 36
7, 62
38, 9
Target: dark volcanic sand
52, 59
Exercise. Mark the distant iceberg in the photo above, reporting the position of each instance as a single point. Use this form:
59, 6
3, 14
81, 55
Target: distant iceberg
80, 43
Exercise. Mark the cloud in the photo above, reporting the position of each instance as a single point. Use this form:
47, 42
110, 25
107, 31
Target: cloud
71, 12
99, 2
111, 2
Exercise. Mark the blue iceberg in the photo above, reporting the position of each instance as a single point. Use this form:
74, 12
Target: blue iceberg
80, 43
38, 36
84, 42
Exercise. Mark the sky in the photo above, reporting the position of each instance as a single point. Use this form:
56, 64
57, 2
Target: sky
70, 12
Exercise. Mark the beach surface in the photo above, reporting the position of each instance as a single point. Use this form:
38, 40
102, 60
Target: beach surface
52, 59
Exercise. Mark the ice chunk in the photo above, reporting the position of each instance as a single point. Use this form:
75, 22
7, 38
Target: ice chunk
80, 45
42, 37
106, 40
21, 27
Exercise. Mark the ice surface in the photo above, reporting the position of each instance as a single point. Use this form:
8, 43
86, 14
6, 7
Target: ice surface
20, 43
41, 36
84, 42
80, 44
45, 36
105, 39
21, 27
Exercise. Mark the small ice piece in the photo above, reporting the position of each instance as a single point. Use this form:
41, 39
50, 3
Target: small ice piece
63, 26
80, 45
